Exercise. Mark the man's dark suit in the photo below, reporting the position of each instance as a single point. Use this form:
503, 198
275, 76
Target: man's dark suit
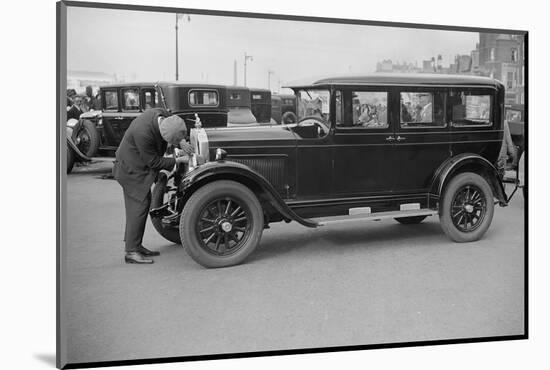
139, 159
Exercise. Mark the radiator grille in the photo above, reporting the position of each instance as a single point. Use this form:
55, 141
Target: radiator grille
273, 169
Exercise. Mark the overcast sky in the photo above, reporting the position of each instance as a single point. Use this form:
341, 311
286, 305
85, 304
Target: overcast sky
141, 46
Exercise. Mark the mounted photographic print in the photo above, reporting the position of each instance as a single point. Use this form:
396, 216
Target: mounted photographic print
238, 184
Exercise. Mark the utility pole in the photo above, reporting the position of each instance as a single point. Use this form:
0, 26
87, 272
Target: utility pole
246, 58
235, 72
179, 16
269, 73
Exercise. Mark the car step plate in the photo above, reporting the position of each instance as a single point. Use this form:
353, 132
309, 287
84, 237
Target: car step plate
324, 221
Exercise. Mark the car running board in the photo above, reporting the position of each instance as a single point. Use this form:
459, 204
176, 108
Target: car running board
324, 221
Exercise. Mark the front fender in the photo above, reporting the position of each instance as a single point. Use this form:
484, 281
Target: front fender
468, 162
219, 170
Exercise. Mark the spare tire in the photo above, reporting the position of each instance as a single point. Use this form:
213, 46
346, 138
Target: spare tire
289, 117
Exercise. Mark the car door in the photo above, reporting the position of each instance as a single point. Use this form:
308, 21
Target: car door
422, 138
363, 142
111, 112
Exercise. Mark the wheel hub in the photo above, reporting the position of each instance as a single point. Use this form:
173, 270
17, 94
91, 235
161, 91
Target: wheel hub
469, 208
226, 226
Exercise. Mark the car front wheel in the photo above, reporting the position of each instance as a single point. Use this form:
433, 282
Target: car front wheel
467, 207
221, 224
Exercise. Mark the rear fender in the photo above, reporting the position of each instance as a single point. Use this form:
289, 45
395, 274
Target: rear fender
468, 162
227, 170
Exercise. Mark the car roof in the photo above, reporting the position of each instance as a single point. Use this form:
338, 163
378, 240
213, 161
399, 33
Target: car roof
164, 84
398, 79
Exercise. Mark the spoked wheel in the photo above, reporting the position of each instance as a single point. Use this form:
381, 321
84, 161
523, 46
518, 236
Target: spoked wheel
467, 208
162, 194
221, 224
87, 138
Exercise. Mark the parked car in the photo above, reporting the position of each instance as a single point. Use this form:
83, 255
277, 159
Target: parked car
288, 109
276, 112
99, 133
238, 104
260, 100
364, 148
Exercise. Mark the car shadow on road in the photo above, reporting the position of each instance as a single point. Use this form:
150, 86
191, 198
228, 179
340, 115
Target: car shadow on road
331, 240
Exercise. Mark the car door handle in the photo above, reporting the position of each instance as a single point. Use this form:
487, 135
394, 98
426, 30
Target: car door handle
390, 138
400, 138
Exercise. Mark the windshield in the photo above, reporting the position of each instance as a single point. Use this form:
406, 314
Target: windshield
313, 103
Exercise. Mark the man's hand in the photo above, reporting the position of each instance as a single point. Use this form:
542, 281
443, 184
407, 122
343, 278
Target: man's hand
182, 159
186, 147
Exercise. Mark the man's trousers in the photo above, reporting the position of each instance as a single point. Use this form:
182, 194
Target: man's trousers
136, 217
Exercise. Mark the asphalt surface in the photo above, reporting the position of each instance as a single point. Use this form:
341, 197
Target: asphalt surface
360, 283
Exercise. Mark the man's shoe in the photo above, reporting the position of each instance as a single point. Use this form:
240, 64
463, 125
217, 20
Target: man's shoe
135, 257
147, 253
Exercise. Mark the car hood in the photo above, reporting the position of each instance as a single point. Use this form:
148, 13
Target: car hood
250, 136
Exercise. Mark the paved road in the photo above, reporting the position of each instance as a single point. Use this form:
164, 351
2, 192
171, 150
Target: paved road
375, 282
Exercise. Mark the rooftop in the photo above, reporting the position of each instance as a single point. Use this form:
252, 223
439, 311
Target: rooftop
398, 79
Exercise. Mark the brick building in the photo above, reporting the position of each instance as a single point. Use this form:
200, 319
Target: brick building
501, 56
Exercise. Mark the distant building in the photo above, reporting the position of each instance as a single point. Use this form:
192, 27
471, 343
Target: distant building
78, 80
388, 66
501, 56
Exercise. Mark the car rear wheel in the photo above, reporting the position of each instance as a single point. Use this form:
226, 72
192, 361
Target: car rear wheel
467, 207
412, 220
221, 224
87, 138
161, 195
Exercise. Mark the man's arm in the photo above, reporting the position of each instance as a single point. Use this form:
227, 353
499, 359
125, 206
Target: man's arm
147, 151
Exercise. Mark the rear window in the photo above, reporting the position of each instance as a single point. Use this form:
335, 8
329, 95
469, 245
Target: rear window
203, 98
468, 109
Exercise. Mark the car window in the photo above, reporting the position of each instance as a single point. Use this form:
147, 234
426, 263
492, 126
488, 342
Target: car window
313, 103
131, 99
111, 100
150, 99
422, 109
203, 98
369, 109
468, 109
513, 115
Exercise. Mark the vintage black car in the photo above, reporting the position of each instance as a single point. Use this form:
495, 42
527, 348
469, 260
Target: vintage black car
238, 104
260, 100
288, 108
99, 133
364, 148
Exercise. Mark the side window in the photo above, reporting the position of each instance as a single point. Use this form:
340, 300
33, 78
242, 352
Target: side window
469, 109
422, 109
130, 99
369, 109
111, 100
203, 98
150, 99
